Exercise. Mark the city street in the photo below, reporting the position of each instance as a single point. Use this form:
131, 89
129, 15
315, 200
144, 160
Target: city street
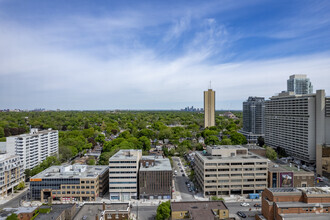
234, 207
14, 203
180, 181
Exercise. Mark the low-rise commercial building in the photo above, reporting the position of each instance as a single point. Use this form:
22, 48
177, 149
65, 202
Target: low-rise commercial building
226, 170
295, 203
155, 178
11, 173
70, 183
123, 174
23, 213
105, 211
56, 212
284, 175
199, 210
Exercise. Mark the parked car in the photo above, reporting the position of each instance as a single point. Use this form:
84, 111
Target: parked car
188, 184
189, 189
183, 174
320, 179
257, 205
241, 214
244, 204
182, 171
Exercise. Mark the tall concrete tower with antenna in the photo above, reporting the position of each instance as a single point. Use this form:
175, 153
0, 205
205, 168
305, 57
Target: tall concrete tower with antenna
209, 107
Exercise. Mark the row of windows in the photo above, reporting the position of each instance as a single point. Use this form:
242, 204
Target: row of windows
124, 167
122, 187
77, 187
123, 177
122, 182
75, 192
114, 172
122, 161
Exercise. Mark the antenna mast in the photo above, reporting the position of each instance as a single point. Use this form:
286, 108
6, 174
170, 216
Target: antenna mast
210, 87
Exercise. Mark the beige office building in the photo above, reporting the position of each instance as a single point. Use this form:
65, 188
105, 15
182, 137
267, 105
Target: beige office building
123, 175
209, 108
230, 169
11, 173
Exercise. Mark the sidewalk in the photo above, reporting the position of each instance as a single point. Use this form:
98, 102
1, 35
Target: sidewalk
11, 196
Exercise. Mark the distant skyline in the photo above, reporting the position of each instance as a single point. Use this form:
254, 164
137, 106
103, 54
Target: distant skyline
100, 55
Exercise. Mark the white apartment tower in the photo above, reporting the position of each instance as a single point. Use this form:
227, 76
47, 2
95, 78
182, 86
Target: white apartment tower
123, 175
34, 147
299, 124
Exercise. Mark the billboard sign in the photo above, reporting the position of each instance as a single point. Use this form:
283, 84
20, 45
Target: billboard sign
286, 179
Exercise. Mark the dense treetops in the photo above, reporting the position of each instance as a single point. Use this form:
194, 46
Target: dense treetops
80, 131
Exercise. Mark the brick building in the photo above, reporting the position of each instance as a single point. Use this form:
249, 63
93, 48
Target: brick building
105, 211
295, 203
155, 178
283, 175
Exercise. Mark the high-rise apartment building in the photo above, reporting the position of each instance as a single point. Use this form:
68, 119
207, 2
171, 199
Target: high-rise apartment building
11, 173
253, 119
34, 147
299, 84
123, 174
298, 124
230, 169
209, 108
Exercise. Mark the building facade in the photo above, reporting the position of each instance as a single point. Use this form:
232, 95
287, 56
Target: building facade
230, 169
70, 183
284, 175
33, 148
199, 210
11, 173
253, 119
155, 178
299, 84
123, 175
298, 124
209, 108
295, 203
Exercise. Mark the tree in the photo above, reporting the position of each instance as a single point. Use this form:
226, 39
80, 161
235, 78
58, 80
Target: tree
20, 186
270, 153
27, 173
146, 145
212, 140
237, 138
215, 198
100, 138
281, 152
91, 162
181, 149
163, 211
261, 141
12, 217
225, 141
2, 132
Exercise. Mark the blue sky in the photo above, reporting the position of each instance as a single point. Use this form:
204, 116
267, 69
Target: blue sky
157, 54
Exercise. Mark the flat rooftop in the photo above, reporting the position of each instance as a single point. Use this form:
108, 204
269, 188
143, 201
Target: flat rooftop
197, 205
273, 167
71, 171
160, 164
308, 190
56, 211
89, 211
34, 134
319, 216
249, 156
126, 154
301, 205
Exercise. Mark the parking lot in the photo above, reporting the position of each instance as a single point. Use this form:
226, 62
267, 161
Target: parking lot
180, 180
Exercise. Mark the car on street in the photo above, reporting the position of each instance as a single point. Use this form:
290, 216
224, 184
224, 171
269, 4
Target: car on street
257, 205
181, 171
183, 174
189, 190
241, 214
245, 204
188, 184
320, 179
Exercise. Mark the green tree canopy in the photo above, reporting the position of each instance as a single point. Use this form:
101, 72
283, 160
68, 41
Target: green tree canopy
163, 211
212, 140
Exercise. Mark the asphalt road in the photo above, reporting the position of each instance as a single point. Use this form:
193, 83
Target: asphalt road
234, 207
145, 212
14, 203
180, 181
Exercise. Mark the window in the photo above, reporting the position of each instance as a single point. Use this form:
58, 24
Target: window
82, 181
87, 181
63, 187
92, 182
73, 187
68, 187
83, 187
92, 187
78, 187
